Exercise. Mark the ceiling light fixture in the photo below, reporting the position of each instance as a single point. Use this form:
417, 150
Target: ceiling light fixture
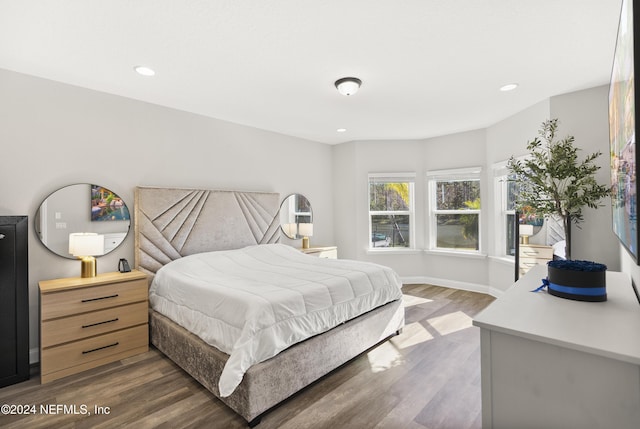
144, 71
341, 130
348, 85
509, 87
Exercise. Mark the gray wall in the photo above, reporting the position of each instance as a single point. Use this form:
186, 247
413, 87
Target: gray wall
582, 114
504, 139
54, 134
355, 160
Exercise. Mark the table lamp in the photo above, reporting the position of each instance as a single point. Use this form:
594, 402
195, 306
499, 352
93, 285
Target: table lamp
84, 246
306, 231
525, 231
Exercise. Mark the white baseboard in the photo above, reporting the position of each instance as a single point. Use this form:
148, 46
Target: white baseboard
453, 284
497, 293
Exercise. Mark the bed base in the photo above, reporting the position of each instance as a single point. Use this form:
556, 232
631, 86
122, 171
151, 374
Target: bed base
270, 382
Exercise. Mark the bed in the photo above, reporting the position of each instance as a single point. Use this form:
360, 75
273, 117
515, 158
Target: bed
182, 225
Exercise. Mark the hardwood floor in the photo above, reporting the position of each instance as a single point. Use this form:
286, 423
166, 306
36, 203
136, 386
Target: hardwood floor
427, 377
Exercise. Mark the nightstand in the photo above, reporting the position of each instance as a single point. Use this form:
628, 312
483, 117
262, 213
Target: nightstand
534, 254
88, 322
329, 252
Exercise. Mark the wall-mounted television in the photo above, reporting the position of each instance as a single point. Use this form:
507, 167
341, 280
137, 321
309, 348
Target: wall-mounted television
623, 100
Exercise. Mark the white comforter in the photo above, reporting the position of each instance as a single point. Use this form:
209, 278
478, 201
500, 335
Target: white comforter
254, 302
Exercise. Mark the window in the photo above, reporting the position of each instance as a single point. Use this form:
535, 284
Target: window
391, 210
454, 201
505, 192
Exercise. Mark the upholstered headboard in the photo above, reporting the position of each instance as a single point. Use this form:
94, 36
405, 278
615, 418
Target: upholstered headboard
171, 223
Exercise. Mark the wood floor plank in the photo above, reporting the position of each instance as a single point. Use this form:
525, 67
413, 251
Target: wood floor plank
427, 377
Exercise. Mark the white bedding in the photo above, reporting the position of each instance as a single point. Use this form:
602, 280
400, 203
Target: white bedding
254, 302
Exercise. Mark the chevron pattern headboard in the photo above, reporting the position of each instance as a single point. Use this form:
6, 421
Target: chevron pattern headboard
171, 223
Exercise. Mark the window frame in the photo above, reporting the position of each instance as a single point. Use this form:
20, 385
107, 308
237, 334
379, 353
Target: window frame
501, 210
457, 174
409, 178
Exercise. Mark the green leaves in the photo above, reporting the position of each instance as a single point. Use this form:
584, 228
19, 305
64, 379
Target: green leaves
553, 180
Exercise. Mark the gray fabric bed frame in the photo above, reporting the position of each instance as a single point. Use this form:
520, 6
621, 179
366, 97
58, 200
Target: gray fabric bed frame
170, 223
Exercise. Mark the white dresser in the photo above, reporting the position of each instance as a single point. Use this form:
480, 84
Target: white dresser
549, 362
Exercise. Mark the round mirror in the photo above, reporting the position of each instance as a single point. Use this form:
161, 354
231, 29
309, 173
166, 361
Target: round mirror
294, 210
82, 208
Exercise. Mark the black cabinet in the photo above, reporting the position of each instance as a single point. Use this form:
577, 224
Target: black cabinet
14, 300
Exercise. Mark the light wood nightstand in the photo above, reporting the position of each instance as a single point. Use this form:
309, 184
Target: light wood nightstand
329, 252
88, 322
534, 254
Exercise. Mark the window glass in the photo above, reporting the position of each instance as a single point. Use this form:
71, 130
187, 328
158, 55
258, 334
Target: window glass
391, 211
456, 195
504, 211
455, 210
457, 231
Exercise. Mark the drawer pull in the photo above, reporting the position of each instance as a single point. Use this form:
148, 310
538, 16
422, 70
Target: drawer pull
98, 299
99, 348
100, 323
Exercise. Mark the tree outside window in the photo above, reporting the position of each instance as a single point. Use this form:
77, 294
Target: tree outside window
455, 210
390, 211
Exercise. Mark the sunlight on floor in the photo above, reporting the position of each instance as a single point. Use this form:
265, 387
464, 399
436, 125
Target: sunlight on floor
412, 334
387, 355
410, 300
450, 323
383, 357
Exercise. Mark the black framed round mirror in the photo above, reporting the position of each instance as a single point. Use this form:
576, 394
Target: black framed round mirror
294, 210
81, 208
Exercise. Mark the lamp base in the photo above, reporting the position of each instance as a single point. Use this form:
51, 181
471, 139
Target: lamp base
525, 239
305, 242
88, 267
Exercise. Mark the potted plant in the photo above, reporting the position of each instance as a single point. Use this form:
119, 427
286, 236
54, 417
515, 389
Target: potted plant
554, 182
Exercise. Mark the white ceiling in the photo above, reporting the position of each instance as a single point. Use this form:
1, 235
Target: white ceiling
429, 67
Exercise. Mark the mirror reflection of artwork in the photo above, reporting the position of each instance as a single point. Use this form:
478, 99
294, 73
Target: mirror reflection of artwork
66, 211
106, 205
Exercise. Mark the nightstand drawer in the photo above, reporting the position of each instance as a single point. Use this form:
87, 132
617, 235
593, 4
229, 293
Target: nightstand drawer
528, 263
74, 301
538, 252
111, 345
63, 330
329, 252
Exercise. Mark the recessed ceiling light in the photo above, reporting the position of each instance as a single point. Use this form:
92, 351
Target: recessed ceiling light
144, 71
341, 130
509, 87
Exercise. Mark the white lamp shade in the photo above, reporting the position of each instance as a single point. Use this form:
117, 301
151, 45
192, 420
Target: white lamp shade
290, 229
526, 230
305, 229
86, 244
72, 240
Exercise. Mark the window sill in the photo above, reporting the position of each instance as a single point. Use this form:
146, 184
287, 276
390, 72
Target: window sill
471, 255
503, 260
393, 251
